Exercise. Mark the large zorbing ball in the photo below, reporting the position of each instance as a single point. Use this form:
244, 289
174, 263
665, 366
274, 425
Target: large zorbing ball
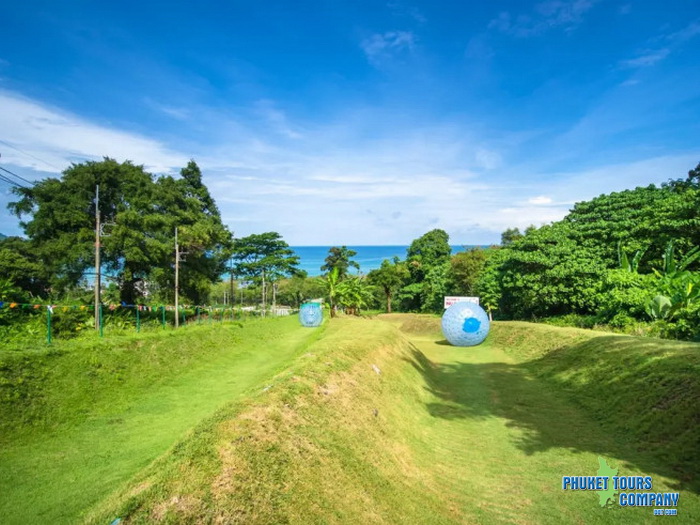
465, 324
310, 315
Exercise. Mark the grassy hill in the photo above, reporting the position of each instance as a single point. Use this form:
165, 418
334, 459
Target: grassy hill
382, 422
365, 421
80, 418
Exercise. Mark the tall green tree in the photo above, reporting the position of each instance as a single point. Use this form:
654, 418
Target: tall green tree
510, 236
390, 277
548, 273
187, 205
465, 268
139, 213
431, 250
61, 223
21, 266
341, 258
264, 257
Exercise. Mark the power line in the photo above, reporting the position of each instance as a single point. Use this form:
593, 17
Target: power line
19, 177
11, 182
29, 154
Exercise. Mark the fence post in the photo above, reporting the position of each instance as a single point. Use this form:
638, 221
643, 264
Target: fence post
184, 318
102, 322
163, 316
48, 324
138, 319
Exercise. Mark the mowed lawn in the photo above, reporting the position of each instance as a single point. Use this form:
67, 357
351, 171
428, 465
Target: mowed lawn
361, 421
502, 434
382, 422
92, 415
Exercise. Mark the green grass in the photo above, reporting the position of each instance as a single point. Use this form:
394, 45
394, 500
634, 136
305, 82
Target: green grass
441, 435
78, 419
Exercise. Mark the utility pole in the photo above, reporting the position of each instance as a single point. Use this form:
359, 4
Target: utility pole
274, 298
231, 294
263, 292
177, 281
98, 280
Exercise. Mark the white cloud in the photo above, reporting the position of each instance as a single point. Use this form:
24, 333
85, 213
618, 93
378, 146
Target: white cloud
380, 47
318, 188
59, 138
551, 14
648, 58
487, 159
178, 113
688, 32
277, 119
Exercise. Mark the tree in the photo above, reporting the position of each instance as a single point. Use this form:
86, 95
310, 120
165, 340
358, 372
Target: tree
21, 266
301, 288
435, 287
62, 220
206, 242
510, 236
466, 268
340, 258
488, 286
390, 276
548, 273
354, 294
139, 213
332, 281
264, 257
425, 253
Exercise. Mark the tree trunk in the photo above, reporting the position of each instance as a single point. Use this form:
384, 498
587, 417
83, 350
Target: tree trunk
388, 303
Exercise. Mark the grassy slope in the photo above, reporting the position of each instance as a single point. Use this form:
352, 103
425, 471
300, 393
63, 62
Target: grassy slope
442, 435
79, 419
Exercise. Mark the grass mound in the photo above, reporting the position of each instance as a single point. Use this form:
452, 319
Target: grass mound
80, 418
370, 425
647, 389
363, 421
320, 445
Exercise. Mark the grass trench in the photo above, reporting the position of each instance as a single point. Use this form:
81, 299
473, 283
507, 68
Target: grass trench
360, 421
79, 419
379, 421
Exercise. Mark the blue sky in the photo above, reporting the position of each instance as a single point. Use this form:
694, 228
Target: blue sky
360, 122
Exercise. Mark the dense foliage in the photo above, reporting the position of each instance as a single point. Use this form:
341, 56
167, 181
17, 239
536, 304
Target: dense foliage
139, 212
628, 260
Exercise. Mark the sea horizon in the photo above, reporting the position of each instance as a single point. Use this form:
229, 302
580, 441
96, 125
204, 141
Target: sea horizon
369, 256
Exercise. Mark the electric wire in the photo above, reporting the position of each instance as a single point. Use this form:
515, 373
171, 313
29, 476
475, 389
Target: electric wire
11, 182
18, 176
29, 154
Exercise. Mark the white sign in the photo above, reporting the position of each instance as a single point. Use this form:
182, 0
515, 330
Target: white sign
449, 301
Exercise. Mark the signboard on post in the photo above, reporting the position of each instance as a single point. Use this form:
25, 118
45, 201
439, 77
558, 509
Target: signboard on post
450, 300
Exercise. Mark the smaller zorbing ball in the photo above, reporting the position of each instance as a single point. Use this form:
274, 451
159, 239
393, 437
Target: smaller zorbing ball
310, 315
465, 324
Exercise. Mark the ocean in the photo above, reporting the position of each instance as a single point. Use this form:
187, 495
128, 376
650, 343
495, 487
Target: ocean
368, 257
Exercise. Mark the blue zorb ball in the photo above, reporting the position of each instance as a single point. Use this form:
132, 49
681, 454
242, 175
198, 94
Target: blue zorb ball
310, 315
465, 324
